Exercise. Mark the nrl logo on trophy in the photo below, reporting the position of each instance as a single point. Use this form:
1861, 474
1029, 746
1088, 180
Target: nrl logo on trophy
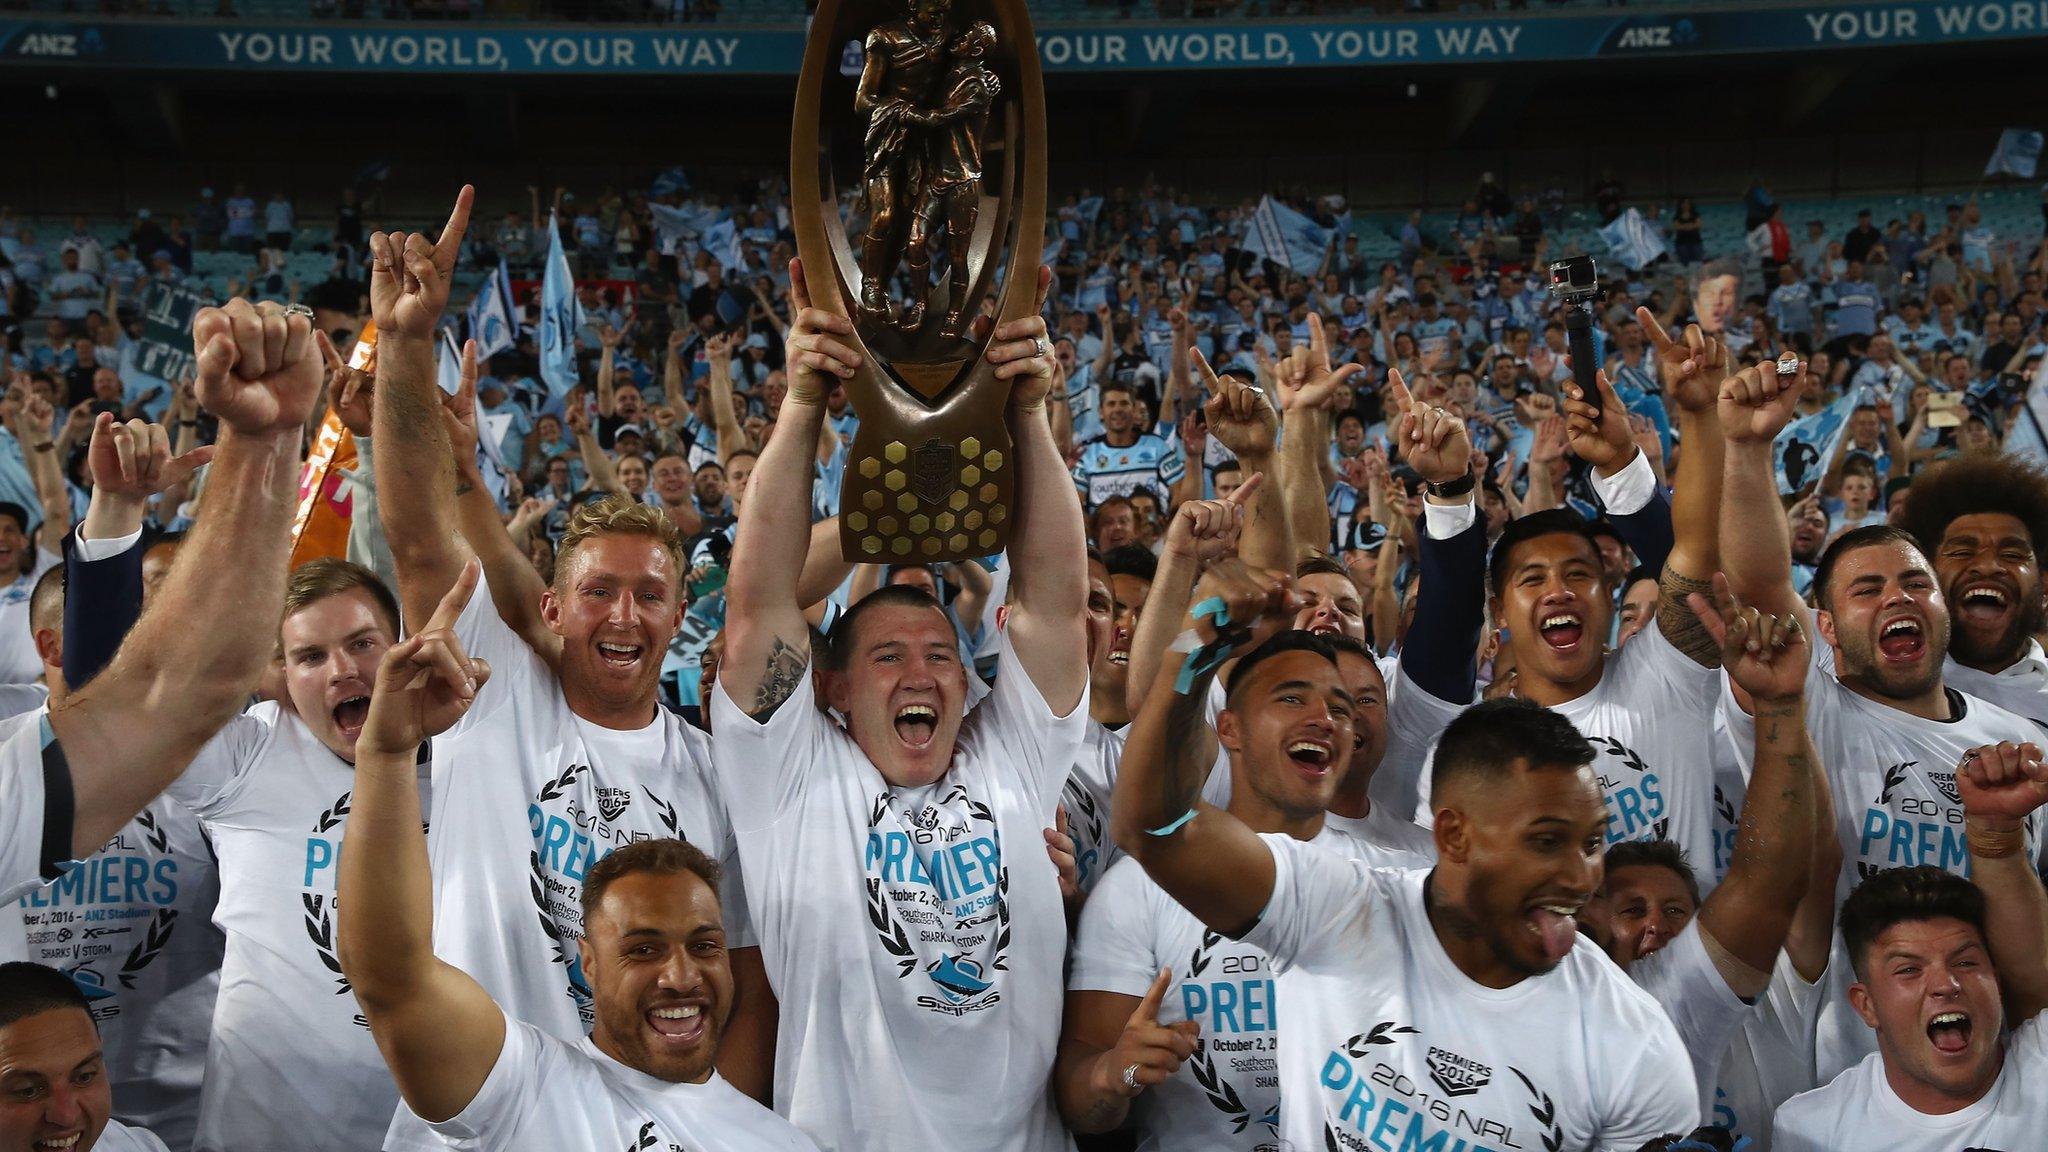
918, 195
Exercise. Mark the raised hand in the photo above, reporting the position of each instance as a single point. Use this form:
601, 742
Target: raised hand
1646, 437
35, 419
133, 461
1255, 604
352, 390
1206, 530
1194, 438
1022, 352
1148, 1052
813, 353
1432, 440
426, 681
1756, 403
2002, 783
258, 368
1765, 655
1690, 368
1317, 384
458, 416
410, 275
1599, 435
1240, 415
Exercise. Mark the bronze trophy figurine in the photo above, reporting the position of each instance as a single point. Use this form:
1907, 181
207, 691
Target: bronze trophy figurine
944, 130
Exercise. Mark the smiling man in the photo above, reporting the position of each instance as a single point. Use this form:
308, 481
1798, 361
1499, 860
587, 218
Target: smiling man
653, 945
567, 756
1943, 967
1885, 723
1983, 520
916, 955
55, 1095
1396, 988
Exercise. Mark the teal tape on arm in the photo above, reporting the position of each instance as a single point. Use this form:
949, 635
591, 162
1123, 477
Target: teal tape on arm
1176, 826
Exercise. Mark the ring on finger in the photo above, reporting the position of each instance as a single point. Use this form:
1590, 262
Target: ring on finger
1131, 1077
1039, 345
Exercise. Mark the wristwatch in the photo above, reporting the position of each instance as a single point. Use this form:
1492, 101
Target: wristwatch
1462, 486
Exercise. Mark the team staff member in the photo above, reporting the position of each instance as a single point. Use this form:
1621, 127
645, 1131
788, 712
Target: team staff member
1470, 975
654, 950
905, 937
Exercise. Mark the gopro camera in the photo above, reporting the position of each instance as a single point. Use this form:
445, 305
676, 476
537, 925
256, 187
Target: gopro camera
1575, 282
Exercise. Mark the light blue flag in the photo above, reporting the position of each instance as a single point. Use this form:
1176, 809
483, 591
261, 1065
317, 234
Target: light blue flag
1631, 239
722, 240
678, 222
1801, 452
491, 313
2028, 437
1088, 208
1284, 236
560, 318
448, 364
670, 181
2018, 154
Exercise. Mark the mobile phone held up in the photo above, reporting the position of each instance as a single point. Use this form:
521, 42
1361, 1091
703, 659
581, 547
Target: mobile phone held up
1574, 281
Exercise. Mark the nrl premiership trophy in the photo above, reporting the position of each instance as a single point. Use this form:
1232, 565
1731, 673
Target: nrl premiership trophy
940, 135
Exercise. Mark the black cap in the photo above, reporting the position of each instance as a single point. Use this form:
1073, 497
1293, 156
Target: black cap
20, 514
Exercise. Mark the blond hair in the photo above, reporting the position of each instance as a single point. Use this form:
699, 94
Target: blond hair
617, 515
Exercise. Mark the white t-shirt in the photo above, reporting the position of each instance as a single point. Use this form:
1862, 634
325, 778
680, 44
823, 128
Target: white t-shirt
19, 663
527, 796
549, 1093
1860, 1110
119, 1137
1896, 804
1407, 845
1385, 1042
291, 1063
1770, 1059
1682, 978
1227, 1096
35, 826
2021, 688
919, 973
1090, 787
131, 925
1649, 717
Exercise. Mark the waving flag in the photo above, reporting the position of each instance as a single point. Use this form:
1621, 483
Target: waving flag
1632, 240
675, 223
1802, 450
491, 313
2028, 437
2017, 154
1284, 236
560, 317
722, 240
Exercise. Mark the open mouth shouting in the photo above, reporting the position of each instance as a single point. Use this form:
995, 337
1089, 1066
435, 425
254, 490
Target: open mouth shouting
1562, 631
1555, 926
350, 713
1313, 756
679, 1026
1985, 604
59, 1143
1949, 1032
1902, 640
916, 724
617, 655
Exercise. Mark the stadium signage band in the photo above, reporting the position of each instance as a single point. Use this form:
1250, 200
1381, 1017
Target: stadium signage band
196, 45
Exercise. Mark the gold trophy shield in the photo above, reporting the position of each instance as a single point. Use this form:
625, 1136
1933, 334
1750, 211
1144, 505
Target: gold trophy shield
941, 133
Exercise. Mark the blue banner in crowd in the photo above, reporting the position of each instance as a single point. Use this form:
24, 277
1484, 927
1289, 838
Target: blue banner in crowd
1076, 47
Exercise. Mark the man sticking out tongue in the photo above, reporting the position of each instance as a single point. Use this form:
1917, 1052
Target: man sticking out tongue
1942, 966
1399, 988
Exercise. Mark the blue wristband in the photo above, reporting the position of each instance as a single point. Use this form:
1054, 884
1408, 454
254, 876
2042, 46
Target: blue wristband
1176, 826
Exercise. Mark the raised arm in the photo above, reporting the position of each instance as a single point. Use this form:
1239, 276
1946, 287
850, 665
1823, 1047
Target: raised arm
767, 642
1756, 546
409, 280
1305, 448
1178, 382
608, 338
1200, 533
129, 733
516, 588
2002, 785
1201, 855
1049, 595
32, 427
438, 1029
1748, 917
596, 461
1692, 372
718, 386
975, 585
1242, 416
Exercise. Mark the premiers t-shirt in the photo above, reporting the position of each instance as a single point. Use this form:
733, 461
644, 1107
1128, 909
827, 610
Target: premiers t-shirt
1770, 1059
1682, 978
1089, 789
915, 936
35, 811
1226, 1096
1893, 777
1385, 1043
19, 662
291, 1063
1860, 1110
548, 1093
131, 925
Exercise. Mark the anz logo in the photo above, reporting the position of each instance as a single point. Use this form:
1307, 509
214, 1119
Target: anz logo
1679, 34
59, 45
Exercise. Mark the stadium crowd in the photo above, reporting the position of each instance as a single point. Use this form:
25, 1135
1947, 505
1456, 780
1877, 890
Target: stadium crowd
1384, 722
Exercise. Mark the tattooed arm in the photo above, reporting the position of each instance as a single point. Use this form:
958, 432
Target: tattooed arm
766, 639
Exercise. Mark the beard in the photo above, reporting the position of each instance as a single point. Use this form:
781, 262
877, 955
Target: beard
2004, 648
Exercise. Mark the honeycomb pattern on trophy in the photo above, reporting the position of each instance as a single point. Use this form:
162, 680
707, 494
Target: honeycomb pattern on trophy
924, 510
